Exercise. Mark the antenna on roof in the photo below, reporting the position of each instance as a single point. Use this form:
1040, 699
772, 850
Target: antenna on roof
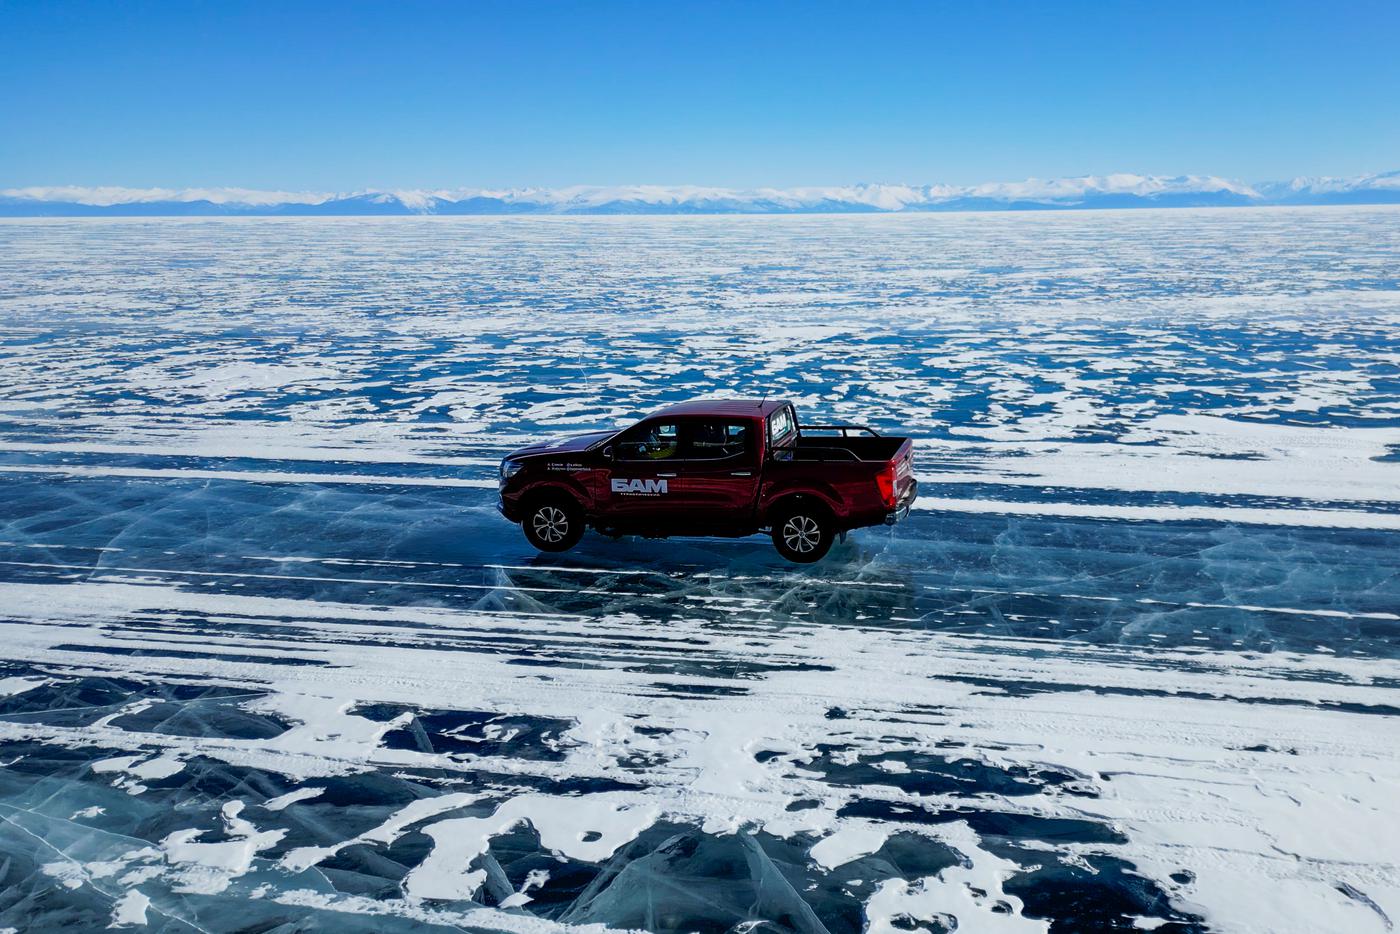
586, 373
764, 399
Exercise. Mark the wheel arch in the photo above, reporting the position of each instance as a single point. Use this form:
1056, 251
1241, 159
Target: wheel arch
786, 499
553, 490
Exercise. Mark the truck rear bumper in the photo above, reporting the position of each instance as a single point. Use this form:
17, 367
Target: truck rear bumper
902, 509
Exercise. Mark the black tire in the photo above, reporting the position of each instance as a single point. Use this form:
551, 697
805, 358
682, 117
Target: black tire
803, 531
553, 524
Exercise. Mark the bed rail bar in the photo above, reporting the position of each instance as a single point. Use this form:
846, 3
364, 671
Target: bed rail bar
844, 429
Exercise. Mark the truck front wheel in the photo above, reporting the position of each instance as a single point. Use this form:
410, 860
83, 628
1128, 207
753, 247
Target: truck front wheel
554, 524
803, 532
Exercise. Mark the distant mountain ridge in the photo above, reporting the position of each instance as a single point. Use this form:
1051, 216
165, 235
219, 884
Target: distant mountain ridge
1079, 193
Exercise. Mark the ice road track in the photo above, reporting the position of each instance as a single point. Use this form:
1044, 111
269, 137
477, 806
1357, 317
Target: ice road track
575, 744
271, 660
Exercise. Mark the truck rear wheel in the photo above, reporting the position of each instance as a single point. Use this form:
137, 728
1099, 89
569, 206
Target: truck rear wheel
803, 533
554, 524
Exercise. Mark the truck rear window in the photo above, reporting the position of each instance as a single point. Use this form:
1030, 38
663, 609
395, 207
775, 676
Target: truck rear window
780, 426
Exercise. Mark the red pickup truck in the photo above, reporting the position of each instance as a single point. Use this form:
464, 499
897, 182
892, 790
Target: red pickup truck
721, 467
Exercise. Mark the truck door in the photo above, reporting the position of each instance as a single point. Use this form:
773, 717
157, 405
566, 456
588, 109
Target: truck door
718, 473
638, 484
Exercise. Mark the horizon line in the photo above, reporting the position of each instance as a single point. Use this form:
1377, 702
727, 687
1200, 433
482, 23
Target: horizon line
1075, 192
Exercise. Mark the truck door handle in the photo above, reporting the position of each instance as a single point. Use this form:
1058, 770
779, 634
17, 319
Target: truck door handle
741, 473
665, 475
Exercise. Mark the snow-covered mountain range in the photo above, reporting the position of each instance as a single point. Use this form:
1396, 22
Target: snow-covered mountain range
1089, 191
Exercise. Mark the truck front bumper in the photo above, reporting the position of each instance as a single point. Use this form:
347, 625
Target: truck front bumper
510, 510
902, 509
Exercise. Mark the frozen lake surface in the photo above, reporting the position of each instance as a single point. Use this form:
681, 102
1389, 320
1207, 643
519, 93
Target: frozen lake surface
271, 657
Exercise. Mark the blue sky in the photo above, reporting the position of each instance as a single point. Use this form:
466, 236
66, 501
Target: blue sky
341, 96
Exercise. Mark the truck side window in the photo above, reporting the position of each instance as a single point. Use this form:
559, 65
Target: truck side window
710, 440
780, 425
649, 442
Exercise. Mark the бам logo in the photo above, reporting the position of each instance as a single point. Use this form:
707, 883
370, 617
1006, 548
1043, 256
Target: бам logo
638, 486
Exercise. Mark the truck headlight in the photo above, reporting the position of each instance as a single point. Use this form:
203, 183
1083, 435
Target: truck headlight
510, 469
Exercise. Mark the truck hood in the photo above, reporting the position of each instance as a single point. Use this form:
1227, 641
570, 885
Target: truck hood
567, 445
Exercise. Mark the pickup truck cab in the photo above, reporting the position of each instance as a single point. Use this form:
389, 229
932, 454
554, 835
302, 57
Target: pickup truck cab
717, 467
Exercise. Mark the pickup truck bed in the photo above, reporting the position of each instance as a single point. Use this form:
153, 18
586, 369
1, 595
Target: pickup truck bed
727, 467
853, 447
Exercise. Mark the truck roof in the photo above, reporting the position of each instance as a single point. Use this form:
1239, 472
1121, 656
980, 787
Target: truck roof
751, 408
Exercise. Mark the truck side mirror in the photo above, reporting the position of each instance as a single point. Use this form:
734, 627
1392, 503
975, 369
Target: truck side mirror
608, 452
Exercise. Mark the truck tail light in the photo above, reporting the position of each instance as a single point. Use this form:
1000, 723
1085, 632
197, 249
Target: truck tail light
884, 481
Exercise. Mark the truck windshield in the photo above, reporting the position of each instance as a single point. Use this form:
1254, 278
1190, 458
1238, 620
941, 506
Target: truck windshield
781, 425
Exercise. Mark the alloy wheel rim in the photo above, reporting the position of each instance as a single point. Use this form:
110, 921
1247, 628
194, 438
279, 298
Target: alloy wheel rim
801, 534
551, 524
